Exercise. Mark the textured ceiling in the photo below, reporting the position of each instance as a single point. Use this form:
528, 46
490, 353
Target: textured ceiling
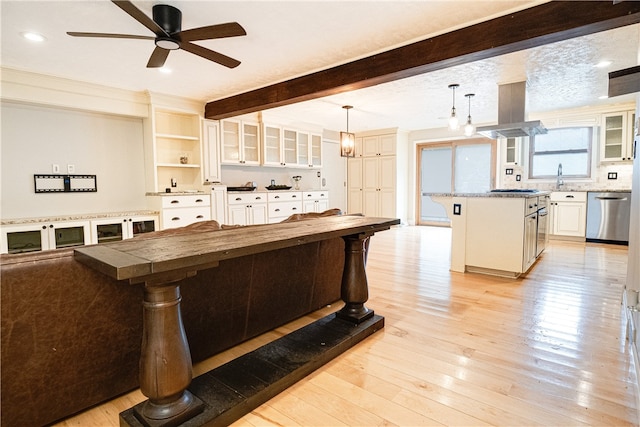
286, 39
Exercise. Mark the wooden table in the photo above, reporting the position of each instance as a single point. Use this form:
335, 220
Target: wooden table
161, 263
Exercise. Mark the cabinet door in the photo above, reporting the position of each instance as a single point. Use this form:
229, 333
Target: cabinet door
354, 185
250, 143
303, 149
231, 141
570, 219
322, 205
24, 238
370, 202
387, 145
272, 143
530, 241
211, 148
290, 149
69, 233
109, 230
370, 146
316, 151
258, 213
238, 214
370, 173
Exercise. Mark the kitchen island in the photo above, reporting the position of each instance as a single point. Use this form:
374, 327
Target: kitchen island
501, 233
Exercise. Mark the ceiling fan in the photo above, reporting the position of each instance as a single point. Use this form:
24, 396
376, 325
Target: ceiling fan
167, 26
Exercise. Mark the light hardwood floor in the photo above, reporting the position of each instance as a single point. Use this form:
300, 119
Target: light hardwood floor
463, 349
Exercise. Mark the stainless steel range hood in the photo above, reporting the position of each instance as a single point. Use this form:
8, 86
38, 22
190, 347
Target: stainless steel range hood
511, 122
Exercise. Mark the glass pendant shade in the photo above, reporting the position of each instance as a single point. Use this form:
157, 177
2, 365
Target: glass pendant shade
454, 124
469, 128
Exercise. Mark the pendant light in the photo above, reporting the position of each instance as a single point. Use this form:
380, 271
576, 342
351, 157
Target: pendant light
454, 124
469, 128
347, 139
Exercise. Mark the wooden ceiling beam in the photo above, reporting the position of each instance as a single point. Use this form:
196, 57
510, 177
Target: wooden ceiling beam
536, 26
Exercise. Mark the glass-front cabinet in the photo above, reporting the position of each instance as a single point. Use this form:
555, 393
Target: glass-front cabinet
42, 236
617, 136
240, 142
120, 228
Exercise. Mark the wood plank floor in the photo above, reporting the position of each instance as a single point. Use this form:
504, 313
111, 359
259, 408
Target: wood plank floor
463, 349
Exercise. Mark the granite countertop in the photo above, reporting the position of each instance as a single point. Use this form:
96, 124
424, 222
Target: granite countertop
78, 217
178, 193
490, 194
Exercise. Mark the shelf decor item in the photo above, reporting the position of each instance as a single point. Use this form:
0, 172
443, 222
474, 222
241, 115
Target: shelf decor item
297, 179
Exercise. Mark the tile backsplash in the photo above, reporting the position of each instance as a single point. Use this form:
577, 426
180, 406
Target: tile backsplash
599, 181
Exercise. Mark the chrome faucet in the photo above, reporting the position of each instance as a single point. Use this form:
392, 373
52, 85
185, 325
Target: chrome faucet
559, 180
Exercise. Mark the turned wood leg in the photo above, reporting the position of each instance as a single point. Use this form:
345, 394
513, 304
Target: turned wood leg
354, 290
165, 361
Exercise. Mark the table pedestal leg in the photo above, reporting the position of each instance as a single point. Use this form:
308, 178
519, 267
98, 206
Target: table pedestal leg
165, 362
354, 290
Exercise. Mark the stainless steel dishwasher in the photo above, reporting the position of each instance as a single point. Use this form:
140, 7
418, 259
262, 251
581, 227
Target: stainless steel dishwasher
608, 217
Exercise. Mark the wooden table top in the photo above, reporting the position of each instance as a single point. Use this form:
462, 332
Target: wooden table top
143, 258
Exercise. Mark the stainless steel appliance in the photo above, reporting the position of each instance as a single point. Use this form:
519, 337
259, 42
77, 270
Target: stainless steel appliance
608, 217
543, 224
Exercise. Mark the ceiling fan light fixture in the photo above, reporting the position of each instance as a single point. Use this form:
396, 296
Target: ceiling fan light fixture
469, 128
167, 43
347, 139
32, 36
454, 123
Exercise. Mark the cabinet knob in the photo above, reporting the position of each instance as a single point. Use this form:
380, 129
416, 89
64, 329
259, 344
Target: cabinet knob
50, 225
294, 209
199, 200
277, 210
175, 202
293, 196
199, 217
238, 198
258, 198
175, 218
44, 227
277, 197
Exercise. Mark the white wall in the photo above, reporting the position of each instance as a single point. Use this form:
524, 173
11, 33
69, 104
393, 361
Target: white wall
35, 137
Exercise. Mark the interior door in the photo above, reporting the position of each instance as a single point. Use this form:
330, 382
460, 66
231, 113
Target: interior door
436, 173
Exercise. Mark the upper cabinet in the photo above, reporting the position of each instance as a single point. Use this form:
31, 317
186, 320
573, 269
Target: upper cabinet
512, 151
616, 140
292, 148
173, 150
240, 142
378, 145
211, 149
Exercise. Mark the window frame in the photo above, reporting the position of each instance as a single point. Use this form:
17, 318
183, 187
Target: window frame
588, 151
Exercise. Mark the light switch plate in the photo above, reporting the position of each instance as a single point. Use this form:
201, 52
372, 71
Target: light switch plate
71, 168
55, 168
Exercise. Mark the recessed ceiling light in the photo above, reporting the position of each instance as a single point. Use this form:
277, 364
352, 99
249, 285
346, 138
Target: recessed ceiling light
34, 37
603, 64
165, 70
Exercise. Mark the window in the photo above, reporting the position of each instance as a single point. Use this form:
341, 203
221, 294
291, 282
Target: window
569, 147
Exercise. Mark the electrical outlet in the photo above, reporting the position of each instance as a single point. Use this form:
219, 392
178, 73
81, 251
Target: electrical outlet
612, 175
71, 169
518, 177
457, 209
508, 171
55, 168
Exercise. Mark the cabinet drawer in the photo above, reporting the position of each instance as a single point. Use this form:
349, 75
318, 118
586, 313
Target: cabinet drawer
568, 196
284, 209
243, 199
172, 218
315, 195
285, 196
186, 201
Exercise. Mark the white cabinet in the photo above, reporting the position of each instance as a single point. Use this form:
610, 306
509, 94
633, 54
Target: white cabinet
283, 204
512, 151
178, 210
379, 186
42, 236
247, 209
616, 140
568, 214
105, 230
379, 145
501, 234
219, 203
372, 176
173, 152
315, 201
280, 146
211, 148
240, 142
309, 150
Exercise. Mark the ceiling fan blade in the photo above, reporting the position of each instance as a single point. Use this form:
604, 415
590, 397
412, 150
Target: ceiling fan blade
139, 16
210, 54
110, 36
158, 57
230, 29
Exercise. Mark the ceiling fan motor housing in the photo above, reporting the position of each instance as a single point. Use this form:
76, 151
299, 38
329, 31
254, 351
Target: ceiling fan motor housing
168, 17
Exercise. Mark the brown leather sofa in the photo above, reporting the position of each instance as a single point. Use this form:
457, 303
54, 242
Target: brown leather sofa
71, 336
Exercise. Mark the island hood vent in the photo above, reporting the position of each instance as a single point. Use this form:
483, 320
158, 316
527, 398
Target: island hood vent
511, 123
